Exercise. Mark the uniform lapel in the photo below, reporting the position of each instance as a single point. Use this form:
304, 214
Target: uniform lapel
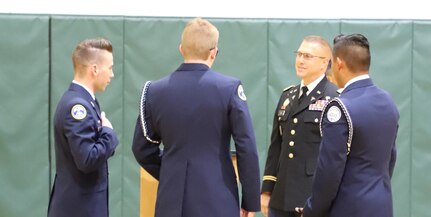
316, 94
292, 98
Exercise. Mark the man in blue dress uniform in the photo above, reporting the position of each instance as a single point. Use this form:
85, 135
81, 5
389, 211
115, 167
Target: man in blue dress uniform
84, 137
194, 112
357, 156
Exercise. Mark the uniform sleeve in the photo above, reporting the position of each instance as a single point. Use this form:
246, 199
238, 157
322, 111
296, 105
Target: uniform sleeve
332, 158
393, 158
246, 151
146, 153
90, 145
270, 174
146, 143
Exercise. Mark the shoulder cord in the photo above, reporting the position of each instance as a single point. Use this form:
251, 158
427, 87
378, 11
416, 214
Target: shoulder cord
142, 112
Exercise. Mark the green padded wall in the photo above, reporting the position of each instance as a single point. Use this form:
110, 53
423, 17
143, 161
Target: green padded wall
36, 68
420, 130
24, 120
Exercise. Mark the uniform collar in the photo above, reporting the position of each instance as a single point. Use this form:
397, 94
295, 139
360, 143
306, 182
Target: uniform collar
86, 88
193, 67
311, 85
316, 94
355, 79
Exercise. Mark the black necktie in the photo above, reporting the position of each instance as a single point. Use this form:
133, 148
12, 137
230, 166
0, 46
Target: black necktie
303, 95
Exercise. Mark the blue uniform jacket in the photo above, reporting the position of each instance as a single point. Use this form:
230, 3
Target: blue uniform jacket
194, 112
357, 155
82, 147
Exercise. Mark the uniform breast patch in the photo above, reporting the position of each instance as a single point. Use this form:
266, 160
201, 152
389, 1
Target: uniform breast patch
78, 112
334, 114
241, 93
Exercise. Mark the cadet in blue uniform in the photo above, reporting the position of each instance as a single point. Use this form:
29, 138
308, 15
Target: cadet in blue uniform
84, 137
194, 112
357, 155
295, 137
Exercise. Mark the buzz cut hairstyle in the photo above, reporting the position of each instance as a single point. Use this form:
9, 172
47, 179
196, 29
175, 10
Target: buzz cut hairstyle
319, 40
354, 49
87, 51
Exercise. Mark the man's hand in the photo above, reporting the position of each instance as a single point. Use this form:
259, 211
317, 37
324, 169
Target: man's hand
245, 213
105, 121
299, 210
264, 203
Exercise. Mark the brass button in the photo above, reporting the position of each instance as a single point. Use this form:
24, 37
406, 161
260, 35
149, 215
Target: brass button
292, 132
316, 120
295, 120
290, 155
291, 143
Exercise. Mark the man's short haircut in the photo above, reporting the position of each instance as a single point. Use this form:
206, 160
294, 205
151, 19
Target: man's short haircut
354, 49
319, 40
199, 37
86, 52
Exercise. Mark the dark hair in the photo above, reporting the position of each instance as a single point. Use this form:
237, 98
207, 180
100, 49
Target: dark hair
354, 49
328, 68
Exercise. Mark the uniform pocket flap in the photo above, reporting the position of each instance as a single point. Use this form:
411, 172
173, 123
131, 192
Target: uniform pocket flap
310, 167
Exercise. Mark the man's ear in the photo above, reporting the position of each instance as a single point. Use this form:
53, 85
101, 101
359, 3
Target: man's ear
340, 63
213, 53
180, 48
94, 70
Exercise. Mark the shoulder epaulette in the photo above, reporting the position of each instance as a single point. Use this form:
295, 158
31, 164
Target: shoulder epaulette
288, 88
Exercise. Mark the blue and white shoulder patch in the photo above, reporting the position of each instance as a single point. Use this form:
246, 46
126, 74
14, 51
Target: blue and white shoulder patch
78, 112
334, 114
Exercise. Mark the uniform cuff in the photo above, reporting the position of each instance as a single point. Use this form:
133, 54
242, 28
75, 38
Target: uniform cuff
268, 185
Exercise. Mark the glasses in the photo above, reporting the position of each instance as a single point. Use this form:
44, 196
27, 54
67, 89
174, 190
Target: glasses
213, 49
306, 56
